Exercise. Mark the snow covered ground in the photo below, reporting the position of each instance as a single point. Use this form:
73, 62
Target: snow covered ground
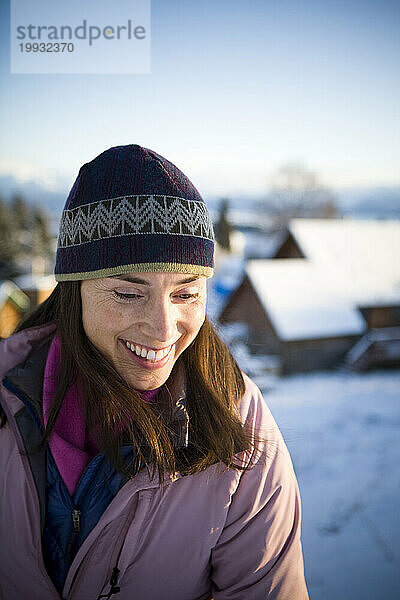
343, 434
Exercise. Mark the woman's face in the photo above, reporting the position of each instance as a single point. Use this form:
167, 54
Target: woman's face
142, 322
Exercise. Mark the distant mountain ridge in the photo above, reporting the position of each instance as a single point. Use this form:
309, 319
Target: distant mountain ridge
377, 202
33, 192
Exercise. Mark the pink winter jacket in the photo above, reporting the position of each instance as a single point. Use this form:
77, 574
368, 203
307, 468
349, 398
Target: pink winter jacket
218, 534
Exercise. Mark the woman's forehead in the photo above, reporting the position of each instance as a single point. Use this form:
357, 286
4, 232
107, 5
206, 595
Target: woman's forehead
156, 278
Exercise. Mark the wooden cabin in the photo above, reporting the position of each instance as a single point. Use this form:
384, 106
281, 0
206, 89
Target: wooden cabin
328, 284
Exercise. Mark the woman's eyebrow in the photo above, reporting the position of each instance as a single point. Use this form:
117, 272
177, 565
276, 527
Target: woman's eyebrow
140, 281
188, 279
131, 279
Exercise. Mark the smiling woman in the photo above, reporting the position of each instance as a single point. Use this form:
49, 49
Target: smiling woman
137, 458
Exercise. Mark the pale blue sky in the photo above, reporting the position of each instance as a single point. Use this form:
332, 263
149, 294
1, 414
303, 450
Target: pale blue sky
237, 88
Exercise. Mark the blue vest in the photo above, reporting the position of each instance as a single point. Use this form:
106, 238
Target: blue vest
69, 519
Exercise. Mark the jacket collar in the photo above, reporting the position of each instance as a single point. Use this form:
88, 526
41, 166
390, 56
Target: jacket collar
27, 380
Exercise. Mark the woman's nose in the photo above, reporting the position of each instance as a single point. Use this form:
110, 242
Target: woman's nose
161, 321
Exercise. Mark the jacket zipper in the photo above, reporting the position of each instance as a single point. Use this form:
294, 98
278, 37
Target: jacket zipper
76, 523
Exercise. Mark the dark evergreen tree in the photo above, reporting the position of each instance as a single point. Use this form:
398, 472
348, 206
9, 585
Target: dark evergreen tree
21, 212
26, 242
41, 236
223, 227
9, 247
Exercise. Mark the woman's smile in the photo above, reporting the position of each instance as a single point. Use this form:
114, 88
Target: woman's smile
148, 358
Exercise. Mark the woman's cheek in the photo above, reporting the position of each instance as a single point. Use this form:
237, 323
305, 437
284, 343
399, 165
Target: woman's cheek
197, 314
121, 315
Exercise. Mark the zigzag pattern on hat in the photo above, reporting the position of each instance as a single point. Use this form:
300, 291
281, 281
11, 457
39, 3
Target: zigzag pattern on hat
134, 215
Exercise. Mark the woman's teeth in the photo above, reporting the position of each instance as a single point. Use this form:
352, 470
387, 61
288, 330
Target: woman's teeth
148, 354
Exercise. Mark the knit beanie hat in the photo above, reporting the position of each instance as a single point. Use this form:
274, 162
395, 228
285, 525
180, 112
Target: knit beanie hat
130, 209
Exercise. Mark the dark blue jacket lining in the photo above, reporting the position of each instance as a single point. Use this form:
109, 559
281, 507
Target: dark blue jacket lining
97, 486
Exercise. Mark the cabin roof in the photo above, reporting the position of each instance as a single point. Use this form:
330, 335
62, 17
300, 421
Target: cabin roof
348, 264
362, 257
302, 301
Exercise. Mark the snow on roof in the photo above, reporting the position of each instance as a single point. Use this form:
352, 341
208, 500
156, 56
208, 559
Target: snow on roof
8, 290
35, 282
386, 334
348, 264
362, 256
260, 245
302, 300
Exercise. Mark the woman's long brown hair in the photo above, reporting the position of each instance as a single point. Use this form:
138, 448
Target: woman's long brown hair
116, 414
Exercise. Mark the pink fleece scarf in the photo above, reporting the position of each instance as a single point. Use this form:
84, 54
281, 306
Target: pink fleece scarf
70, 443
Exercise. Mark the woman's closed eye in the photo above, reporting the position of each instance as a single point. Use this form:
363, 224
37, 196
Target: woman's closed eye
184, 296
187, 296
124, 296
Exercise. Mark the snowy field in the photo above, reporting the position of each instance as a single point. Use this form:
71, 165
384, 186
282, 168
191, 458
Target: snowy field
343, 434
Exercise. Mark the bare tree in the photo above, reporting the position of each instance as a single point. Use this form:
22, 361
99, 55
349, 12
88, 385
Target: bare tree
297, 192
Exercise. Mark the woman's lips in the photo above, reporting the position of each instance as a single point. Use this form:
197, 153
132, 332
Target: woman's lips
145, 362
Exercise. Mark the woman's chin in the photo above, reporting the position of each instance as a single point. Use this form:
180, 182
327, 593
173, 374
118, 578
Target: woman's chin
150, 382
